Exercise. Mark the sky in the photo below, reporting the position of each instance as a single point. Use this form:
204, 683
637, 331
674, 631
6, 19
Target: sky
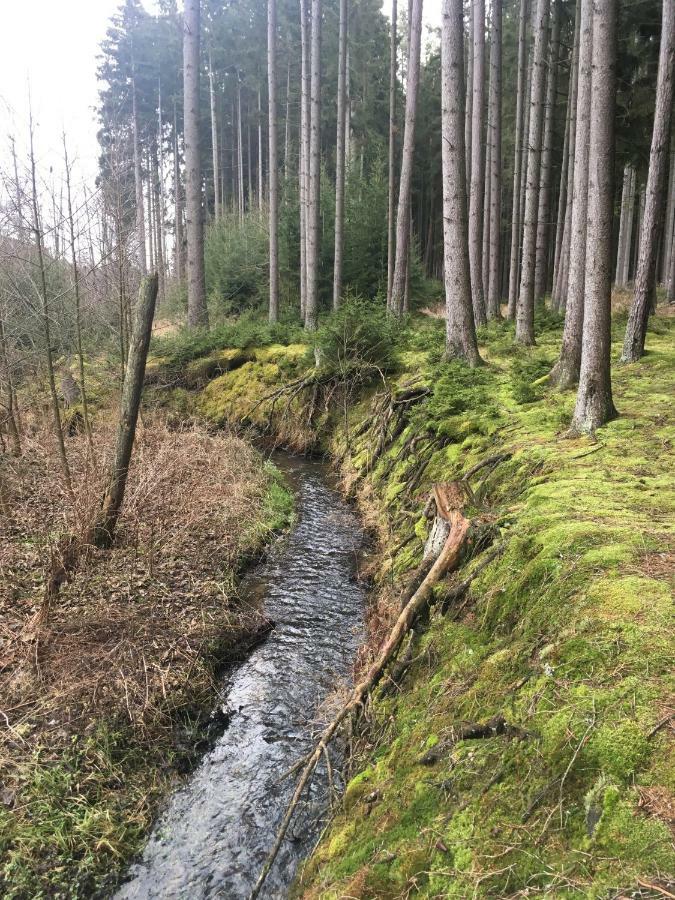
52, 45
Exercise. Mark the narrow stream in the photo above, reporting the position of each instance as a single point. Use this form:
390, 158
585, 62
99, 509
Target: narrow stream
214, 835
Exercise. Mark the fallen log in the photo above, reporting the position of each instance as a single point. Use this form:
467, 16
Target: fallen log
446, 560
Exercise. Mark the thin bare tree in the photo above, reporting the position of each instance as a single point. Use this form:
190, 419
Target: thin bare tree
273, 173
493, 287
518, 156
313, 205
476, 196
340, 155
393, 44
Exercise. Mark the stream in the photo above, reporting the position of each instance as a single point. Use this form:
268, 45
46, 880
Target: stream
216, 831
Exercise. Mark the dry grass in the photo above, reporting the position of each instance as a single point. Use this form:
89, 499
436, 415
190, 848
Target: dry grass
126, 639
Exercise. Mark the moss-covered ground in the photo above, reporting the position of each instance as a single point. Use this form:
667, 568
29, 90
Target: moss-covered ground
567, 634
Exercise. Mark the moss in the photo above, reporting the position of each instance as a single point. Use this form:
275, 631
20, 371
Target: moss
566, 634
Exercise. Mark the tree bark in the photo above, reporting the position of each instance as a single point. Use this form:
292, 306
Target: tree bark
138, 179
460, 342
158, 220
517, 163
468, 123
303, 157
273, 173
46, 317
594, 404
104, 527
669, 221
565, 373
405, 185
313, 210
525, 307
636, 329
240, 152
623, 227
393, 42
340, 157
671, 279
261, 188
626, 260
178, 203
546, 174
495, 103
214, 142
197, 313
476, 197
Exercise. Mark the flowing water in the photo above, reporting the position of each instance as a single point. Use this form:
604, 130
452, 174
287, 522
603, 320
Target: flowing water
214, 836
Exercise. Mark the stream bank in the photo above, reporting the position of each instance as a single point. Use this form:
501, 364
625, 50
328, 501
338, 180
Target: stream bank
565, 637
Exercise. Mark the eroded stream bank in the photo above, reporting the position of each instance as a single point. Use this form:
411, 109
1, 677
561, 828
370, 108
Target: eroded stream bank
215, 833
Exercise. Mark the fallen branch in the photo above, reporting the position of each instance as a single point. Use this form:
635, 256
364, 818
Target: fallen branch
446, 560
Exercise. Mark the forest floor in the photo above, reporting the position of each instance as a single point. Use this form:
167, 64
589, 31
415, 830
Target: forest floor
566, 636
103, 712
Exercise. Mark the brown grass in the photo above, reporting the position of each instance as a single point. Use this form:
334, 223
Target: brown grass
134, 635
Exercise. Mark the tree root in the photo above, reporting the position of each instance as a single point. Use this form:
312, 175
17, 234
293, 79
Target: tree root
446, 560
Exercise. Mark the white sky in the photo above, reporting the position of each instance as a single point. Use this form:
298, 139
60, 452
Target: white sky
53, 44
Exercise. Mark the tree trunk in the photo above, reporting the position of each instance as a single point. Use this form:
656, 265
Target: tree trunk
525, 307
477, 163
630, 218
405, 185
340, 157
303, 158
104, 527
487, 184
151, 217
287, 130
78, 305
468, 122
178, 203
12, 425
214, 143
273, 172
460, 330
669, 221
546, 175
138, 179
261, 188
636, 329
494, 287
392, 152
313, 210
240, 151
594, 404
518, 156
197, 313
623, 226
46, 318
158, 219
565, 373
671, 279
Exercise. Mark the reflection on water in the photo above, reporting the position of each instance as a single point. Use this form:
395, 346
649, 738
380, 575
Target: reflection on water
217, 829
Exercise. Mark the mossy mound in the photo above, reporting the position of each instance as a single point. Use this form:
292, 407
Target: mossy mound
567, 634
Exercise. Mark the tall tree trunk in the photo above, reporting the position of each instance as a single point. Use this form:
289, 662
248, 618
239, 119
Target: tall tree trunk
565, 373
392, 150
476, 197
46, 318
261, 189
594, 404
405, 185
460, 340
494, 287
525, 307
623, 226
638, 230
313, 210
178, 202
151, 218
630, 217
671, 278
636, 329
214, 143
546, 175
158, 220
161, 232
287, 129
106, 521
669, 221
340, 156
197, 313
518, 157
240, 151
303, 156
138, 179
11, 418
487, 184
468, 101
272, 158
76, 291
